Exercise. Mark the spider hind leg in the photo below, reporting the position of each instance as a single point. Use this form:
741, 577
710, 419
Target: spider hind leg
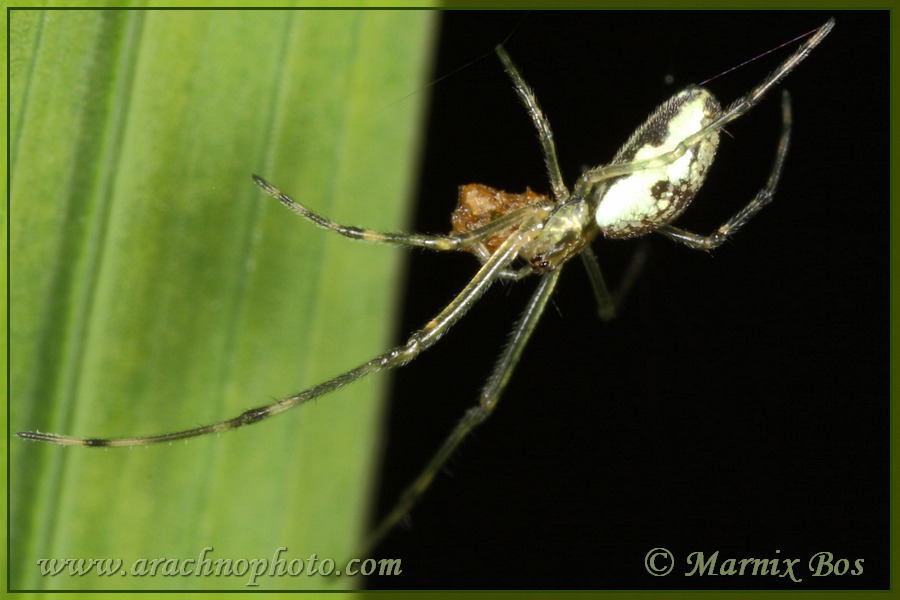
760, 201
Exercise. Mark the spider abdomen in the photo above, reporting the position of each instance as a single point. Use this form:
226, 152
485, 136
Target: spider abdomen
653, 195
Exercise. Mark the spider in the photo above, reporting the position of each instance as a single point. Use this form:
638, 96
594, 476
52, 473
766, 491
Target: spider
648, 184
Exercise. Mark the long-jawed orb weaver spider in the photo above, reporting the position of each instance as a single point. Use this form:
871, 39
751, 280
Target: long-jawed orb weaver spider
648, 184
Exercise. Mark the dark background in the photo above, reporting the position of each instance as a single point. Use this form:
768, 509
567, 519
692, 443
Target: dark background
740, 402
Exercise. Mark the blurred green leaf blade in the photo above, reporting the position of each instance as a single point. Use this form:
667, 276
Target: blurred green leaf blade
154, 287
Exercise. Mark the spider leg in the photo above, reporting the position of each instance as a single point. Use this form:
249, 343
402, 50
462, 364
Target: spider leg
516, 274
418, 342
762, 198
737, 108
608, 303
459, 241
745, 103
476, 415
545, 134
606, 308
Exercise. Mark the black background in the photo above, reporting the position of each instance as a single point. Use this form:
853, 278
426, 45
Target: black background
740, 402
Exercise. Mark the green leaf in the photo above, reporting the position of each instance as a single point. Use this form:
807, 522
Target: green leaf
154, 287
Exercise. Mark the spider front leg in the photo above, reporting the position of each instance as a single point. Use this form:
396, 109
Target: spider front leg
460, 241
531, 218
762, 198
476, 415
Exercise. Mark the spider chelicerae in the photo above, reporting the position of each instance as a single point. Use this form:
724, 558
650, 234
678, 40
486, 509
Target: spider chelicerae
648, 184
